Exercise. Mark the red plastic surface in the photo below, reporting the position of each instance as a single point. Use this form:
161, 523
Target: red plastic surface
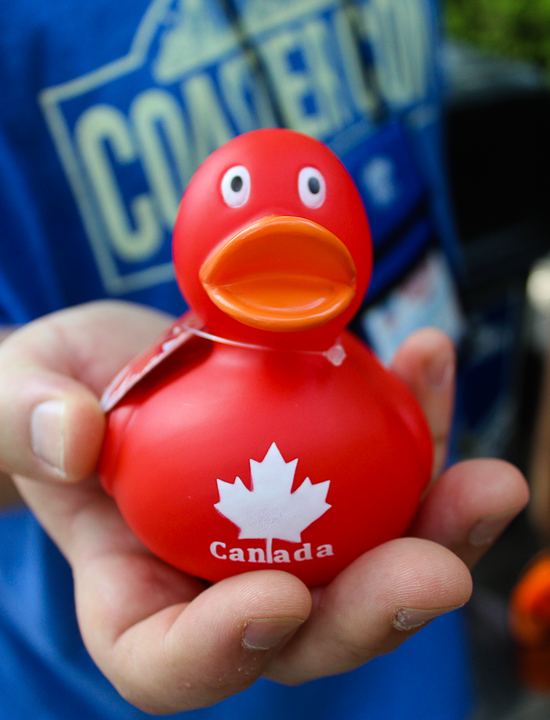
176, 335
206, 224
225, 459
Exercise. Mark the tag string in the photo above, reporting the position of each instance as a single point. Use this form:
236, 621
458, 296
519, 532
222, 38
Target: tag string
335, 354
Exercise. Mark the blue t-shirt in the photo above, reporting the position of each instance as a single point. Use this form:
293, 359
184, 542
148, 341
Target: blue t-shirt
107, 109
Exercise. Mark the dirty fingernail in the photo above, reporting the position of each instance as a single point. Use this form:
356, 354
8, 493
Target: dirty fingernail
264, 634
488, 529
47, 434
411, 618
440, 371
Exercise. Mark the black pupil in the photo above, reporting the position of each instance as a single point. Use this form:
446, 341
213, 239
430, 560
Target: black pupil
313, 185
236, 183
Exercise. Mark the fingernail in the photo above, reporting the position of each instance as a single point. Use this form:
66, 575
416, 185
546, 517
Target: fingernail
440, 371
488, 529
264, 634
411, 618
47, 434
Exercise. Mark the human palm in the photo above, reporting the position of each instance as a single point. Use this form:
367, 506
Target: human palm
170, 642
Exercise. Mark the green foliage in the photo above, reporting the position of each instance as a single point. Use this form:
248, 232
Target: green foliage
516, 28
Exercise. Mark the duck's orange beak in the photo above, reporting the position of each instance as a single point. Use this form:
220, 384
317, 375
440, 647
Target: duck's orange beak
281, 274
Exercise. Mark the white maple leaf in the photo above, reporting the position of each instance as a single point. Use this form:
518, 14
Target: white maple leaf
271, 510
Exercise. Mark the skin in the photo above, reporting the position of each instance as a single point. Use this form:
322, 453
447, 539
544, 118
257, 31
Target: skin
167, 641
8, 494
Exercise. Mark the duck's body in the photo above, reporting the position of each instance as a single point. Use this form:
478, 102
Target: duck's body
230, 458
217, 407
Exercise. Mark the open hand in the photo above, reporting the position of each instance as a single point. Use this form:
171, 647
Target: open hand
168, 641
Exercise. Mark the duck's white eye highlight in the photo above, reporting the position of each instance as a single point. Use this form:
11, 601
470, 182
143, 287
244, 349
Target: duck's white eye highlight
312, 187
236, 186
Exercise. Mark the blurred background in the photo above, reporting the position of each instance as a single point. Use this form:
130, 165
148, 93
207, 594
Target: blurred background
497, 61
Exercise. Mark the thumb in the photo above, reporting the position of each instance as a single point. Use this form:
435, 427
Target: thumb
52, 425
51, 373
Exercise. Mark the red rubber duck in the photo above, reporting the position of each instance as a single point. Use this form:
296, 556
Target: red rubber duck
259, 433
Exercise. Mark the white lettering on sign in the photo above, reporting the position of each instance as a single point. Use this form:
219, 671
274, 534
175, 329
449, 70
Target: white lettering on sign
245, 94
210, 126
218, 549
188, 84
398, 33
135, 232
163, 141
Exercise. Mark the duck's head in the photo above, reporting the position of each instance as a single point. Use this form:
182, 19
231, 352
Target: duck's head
271, 243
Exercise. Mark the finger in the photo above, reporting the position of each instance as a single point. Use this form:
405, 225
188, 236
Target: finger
470, 506
51, 373
189, 654
165, 642
372, 607
426, 363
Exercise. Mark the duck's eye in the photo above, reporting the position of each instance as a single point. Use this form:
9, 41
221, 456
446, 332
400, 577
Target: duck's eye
312, 187
236, 186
